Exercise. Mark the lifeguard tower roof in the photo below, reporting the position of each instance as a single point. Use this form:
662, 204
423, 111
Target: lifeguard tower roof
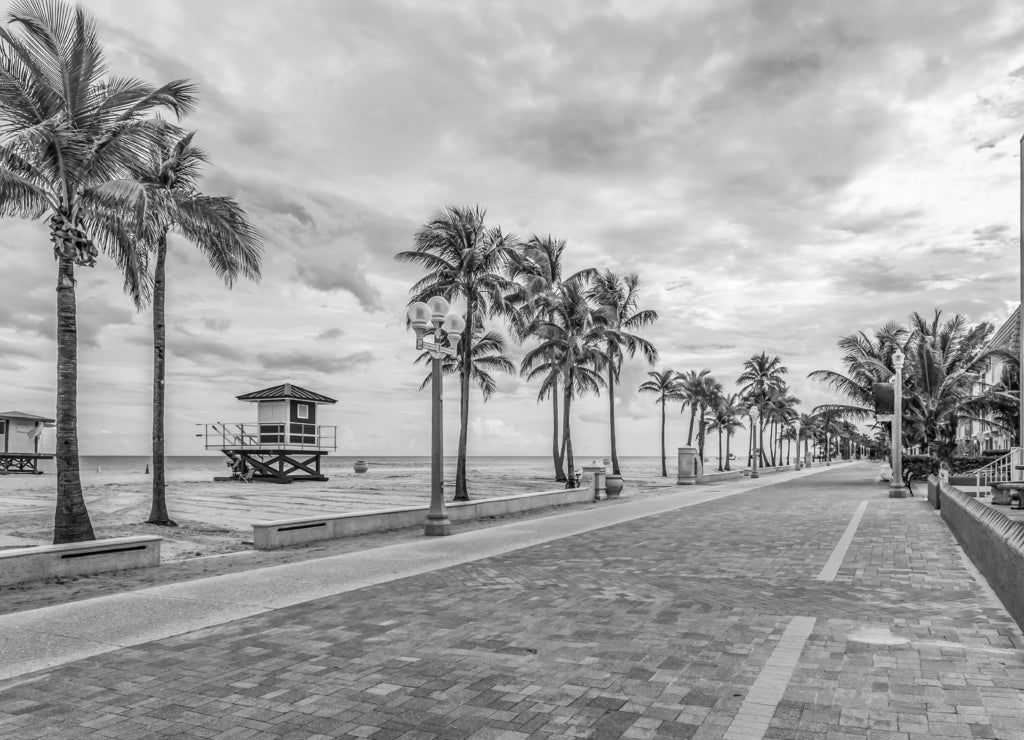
285, 391
23, 415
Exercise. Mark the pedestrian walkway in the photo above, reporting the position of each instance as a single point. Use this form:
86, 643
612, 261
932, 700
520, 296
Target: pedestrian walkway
745, 614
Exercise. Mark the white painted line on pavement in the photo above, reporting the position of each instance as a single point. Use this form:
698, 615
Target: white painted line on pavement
831, 569
756, 712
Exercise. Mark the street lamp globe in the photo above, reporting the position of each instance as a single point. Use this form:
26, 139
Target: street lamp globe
438, 306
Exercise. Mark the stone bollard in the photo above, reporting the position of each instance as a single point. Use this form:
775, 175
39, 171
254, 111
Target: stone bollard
688, 469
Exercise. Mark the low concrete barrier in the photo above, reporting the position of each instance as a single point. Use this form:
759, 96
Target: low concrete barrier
78, 558
993, 542
272, 535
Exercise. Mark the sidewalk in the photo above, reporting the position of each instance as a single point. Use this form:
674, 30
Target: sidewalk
800, 605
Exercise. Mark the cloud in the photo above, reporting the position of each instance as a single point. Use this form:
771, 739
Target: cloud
305, 361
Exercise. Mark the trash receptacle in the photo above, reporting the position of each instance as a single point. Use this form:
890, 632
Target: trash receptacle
688, 471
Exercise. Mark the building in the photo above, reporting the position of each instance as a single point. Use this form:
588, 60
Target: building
20, 446
974, 437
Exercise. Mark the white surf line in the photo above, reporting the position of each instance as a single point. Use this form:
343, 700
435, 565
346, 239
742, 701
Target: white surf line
831, 569
756, 712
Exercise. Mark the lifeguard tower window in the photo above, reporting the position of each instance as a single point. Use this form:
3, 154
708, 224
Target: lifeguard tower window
885, 398
302, 411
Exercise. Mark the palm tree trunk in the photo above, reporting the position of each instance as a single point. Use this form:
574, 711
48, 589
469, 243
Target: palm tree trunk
700, 436
664, 471
719, 450
71, 521
158, 509
728, 454
556, 448
611, 417
465, 373
566, 432
689, 434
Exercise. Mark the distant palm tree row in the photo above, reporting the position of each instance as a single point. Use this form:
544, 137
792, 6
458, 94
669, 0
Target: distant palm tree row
762, 385
88, 151
945, 364
580, 327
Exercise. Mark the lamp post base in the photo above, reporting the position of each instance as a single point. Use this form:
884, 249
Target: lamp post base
437, 526
897, 492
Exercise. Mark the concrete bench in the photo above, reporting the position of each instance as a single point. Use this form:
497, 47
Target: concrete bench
78, 558
1008, 493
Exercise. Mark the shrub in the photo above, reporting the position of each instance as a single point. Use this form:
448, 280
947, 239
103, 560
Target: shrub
924, 465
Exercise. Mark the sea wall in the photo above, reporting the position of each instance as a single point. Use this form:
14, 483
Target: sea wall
284, 533
993, 541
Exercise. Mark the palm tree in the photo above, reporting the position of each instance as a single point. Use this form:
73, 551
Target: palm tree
537, 271
70, 133
690, 384
761, 373
464, 259
617, 298
666, 385
708, 396
217, 226
728, 414
573, 343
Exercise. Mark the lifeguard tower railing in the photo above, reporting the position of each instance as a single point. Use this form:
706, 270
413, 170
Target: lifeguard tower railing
254, 436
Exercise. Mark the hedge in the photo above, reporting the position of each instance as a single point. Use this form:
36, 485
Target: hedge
924, 465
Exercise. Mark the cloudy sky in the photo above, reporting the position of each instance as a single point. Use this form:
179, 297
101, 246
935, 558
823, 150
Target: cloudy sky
778, 174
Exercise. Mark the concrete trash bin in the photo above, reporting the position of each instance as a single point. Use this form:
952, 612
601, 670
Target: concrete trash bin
688, 467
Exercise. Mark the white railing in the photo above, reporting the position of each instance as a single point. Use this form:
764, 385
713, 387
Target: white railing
255, 436
1005, 468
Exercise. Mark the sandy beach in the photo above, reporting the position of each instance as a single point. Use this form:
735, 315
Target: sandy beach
214, 533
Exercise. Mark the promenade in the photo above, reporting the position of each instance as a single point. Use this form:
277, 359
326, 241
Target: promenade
801, 605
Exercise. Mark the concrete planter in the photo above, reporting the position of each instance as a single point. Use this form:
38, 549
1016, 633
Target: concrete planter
613, 485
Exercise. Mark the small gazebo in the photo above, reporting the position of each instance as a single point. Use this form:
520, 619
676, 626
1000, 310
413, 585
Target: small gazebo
19, 442
285, 443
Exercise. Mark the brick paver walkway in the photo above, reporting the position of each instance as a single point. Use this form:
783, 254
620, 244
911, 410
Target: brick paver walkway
708, 622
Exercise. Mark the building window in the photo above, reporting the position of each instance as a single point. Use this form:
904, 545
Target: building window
302, 411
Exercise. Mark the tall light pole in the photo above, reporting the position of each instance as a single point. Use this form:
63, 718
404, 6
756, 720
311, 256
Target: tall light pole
896, 482
796, 433
433, 318
754, 414
1020, 325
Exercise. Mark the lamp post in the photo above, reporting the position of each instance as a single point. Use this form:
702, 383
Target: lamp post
896, 482
433, 318
796, 433
754, 414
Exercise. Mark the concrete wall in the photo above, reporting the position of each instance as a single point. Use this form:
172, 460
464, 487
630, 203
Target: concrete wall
78, 558
993, 542
272, 535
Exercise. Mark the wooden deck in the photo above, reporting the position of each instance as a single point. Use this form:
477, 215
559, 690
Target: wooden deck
22, 463
279, 466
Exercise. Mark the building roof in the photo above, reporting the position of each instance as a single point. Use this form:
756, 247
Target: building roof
283, 391
1008, 335
23, 415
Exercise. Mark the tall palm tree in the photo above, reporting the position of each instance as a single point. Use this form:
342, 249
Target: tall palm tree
727, 414
216, 225
537, 271
690, 384
69, 134
708, 396
666, 385
761, 373
573, 343
617, 297
464, 259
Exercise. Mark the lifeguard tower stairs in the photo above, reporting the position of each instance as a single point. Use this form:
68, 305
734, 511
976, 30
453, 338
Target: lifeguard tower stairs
284, 444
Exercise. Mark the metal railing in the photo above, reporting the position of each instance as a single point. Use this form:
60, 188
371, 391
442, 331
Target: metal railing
273, 436
1003, 468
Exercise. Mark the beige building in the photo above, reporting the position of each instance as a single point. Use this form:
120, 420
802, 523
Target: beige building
974, 437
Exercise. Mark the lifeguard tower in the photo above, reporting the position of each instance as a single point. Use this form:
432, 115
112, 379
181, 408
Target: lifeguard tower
19, 442
285, 443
